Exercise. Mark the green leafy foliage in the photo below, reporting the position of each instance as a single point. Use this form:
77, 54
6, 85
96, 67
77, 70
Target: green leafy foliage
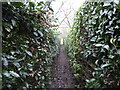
94, 44
29, 45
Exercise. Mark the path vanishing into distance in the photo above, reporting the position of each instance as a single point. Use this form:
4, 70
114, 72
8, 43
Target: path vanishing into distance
61, 72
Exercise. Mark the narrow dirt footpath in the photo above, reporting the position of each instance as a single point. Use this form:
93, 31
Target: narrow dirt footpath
62, 75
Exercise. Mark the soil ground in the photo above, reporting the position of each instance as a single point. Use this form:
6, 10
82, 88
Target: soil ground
61, 72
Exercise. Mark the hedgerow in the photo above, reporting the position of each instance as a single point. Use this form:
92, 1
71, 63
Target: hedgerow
29, 44
94, 45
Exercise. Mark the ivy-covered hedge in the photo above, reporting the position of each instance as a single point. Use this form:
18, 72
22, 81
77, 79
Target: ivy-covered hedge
94, 45
29, 44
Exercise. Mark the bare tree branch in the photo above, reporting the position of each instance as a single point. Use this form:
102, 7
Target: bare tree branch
63, 20
59, 8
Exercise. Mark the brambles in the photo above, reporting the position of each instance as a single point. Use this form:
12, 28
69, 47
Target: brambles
94, 44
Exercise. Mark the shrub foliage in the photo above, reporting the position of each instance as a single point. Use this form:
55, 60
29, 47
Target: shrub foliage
29, 44
94, 45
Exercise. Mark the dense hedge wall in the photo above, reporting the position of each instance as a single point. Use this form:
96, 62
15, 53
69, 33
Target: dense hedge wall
94, 45
29, 44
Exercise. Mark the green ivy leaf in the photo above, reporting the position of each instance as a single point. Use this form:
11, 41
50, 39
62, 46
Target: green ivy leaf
14, 74
41, 34
106, 47
5, 62
35, 33
29, 53
31, 4
16, 64
43, 77
40, 3
106, 4
6, 73
51, 9
98, 45
13, 22
118, 51
17, 4
105, 65
8, 29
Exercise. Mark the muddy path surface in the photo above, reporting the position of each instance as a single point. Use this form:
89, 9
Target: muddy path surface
61, 72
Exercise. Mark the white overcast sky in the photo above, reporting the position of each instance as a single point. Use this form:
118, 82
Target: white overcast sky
69, 7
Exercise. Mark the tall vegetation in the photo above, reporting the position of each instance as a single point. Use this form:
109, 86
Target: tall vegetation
29, 44
94, 45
